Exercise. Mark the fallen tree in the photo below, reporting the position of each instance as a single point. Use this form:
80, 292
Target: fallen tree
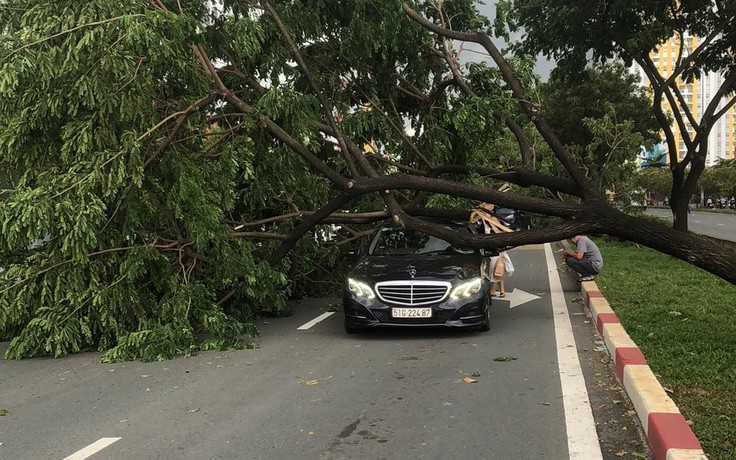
183, 163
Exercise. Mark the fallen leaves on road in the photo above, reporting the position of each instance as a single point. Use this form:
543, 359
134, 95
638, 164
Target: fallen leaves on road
4, 412
469, 380
504, 359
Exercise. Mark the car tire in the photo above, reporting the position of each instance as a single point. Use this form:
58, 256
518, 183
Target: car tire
351, 329
486, 325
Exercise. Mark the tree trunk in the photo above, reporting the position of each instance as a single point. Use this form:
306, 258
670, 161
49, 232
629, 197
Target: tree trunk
711, 254
679, 207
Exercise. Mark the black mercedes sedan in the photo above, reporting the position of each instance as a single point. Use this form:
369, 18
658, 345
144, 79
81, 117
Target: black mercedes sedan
410, 278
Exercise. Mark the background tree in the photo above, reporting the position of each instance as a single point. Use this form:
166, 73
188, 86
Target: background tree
616, 120
720, 180
655, 180
189, 163
572, 32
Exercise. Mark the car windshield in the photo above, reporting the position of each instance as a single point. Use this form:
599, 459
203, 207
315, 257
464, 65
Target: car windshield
404, 241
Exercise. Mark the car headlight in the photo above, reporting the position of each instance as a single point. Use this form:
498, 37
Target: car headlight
360, 289
466, 289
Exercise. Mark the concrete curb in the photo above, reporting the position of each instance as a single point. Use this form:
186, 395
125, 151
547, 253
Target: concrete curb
667, 431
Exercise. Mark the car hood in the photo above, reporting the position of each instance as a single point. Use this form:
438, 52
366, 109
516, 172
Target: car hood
436, 267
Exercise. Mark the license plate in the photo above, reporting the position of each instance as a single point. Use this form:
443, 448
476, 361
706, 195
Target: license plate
411, 312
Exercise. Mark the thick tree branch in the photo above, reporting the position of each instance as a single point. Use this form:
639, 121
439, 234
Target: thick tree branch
326, 106
274, 128
508, 74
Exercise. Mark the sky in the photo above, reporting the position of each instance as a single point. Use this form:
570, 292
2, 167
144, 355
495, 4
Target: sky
488, 8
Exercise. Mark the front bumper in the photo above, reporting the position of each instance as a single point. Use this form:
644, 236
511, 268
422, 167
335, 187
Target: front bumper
463, 313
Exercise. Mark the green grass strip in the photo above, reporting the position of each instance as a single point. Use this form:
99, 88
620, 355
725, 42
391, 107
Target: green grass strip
684, 321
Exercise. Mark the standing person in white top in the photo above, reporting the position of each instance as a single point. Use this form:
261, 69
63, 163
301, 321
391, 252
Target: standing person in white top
500, 267
586, 260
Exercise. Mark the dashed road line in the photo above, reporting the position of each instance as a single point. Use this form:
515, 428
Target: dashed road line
92, 449
316, 320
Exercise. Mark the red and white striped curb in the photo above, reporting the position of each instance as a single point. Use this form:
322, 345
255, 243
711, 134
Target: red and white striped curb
668, 433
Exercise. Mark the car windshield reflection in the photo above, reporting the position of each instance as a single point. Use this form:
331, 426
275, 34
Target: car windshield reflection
403, 241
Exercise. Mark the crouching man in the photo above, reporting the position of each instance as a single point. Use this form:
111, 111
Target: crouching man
587, 260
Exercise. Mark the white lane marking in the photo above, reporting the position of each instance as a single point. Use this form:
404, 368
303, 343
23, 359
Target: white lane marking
518, 297
316, 320
92, 449
582, 438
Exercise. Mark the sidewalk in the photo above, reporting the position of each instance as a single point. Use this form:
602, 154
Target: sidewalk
668, 433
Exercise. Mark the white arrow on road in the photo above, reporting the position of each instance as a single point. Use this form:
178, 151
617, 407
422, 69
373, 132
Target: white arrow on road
517, 297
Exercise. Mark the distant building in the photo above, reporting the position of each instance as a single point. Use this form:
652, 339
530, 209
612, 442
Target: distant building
698, 95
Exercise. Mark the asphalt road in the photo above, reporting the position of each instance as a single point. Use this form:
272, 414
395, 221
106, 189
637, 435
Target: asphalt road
715, 224
543, 390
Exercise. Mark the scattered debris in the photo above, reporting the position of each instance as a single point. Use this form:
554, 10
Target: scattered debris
194, 410
476, 373
469, 380
675, 313
4, 412
620, 453
546, 404
504, 358
312, 381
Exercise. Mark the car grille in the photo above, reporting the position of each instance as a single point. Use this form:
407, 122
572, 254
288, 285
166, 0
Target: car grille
413, 292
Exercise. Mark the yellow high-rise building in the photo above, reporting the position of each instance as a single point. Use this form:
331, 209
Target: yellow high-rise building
697, 96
